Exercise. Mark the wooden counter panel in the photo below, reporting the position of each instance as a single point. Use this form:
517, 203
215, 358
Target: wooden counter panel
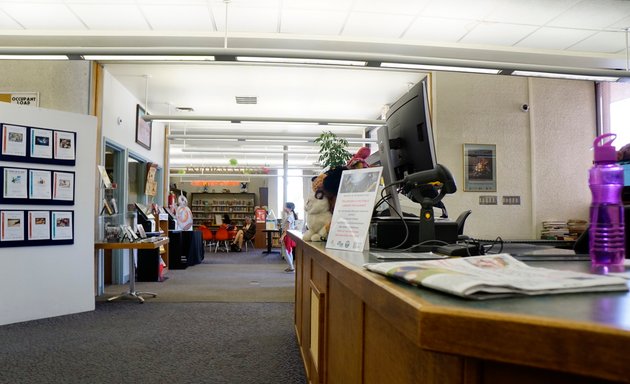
552, 344
395, 305
345, 334
498, 373
407, 335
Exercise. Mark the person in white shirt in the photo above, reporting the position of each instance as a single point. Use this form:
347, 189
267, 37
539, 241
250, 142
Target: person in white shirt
288, 222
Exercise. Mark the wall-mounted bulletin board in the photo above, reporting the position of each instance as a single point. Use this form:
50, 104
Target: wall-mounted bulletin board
25, 185
37, 145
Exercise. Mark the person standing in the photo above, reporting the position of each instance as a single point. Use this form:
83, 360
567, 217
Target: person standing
286, 243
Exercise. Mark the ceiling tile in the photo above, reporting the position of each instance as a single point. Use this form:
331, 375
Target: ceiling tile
362, 24
554, 38
247, 19
621, 24
167, 2
403, 7
439, 29
603, 42
184, 17
331, 5
497, 34
535, 12
43, 16
593, 14
460, 9
110, 17
8, 23
312, 22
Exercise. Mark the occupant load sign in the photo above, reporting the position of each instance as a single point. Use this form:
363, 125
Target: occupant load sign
21, 98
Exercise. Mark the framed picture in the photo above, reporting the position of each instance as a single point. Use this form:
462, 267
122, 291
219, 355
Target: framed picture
480, 171
143, 128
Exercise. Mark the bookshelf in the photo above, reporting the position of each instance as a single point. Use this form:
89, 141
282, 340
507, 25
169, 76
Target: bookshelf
206, 206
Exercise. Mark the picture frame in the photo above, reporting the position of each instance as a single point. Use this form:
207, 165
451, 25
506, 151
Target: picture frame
143, 128
480, 171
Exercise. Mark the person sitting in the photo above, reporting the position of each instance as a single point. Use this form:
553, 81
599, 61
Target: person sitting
227, 223
244, 234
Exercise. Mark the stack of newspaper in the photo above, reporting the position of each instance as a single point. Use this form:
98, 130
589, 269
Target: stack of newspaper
493, 276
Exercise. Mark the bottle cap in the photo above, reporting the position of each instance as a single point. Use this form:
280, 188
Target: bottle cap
605, 152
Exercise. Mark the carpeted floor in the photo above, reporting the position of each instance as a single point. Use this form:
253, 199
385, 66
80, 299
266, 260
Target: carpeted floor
222, 277
227, 320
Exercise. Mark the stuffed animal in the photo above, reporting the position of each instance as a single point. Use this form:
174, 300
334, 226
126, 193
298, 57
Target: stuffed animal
318, 218
358, 160
183, 214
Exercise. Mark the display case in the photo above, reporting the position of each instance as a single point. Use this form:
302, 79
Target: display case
108, 227
208, 208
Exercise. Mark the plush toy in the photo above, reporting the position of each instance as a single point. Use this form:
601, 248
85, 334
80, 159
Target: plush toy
318, 218
358, 160
183, 214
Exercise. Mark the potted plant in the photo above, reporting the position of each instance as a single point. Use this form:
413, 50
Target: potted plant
332, 150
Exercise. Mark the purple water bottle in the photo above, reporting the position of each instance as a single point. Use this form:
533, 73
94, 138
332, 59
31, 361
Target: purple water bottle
606, 236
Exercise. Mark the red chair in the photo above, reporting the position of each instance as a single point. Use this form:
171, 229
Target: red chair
222, 237
206, 235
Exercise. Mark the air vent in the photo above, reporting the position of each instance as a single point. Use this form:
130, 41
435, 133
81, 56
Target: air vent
246, 100
185, 109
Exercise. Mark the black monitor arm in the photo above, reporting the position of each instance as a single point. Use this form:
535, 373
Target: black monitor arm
414, 182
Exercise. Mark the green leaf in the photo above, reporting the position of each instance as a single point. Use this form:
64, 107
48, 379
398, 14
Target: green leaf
332, 150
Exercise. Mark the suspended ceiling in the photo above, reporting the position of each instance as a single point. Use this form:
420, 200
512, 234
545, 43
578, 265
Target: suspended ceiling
570, 35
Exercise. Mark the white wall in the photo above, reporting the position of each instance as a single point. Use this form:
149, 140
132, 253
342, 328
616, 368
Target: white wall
62, 85
47, 281
542, 156
120, 105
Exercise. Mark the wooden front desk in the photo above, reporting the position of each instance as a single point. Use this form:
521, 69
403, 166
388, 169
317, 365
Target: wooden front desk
354, 326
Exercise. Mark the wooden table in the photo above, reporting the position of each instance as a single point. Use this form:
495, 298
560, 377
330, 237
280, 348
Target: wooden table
132, 276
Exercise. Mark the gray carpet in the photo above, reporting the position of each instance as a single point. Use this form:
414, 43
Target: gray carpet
169, 339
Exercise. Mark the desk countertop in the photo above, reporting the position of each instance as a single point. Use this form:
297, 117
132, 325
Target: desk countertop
581, 333
135, 245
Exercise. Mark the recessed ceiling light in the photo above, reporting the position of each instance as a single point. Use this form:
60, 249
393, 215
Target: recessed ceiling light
290, 60
565, 76
439, 68
34, 57
147, 58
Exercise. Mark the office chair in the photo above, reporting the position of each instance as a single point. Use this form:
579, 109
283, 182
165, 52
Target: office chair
250, 241
461, 220
222, 237
206, 235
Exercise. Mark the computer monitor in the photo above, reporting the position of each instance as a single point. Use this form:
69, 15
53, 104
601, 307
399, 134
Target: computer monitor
406, 143
410, 133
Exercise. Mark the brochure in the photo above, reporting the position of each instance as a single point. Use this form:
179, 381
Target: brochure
353, 209
493, 276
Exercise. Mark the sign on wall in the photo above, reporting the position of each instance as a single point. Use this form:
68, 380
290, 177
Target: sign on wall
21, 98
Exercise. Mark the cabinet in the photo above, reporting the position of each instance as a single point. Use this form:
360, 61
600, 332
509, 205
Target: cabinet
207, 207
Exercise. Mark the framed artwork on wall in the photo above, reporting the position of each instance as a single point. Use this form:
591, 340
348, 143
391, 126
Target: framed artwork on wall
480, 171
143, 128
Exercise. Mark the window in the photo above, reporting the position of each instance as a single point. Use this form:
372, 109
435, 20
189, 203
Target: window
295, 190
616, 111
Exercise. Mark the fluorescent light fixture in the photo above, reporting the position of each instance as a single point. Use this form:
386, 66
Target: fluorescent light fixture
289, 60
285, 120
34, 57
565, 76
147, 58
265, 151
440, 68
